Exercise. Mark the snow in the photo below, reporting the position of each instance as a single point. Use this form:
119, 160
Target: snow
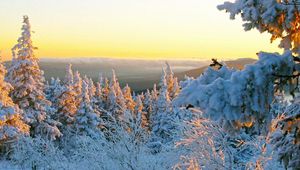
234, 97
224, 119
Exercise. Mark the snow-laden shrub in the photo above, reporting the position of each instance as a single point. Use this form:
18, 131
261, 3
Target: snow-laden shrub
37, 153
286, 136
88, 153
206, 145
198, 146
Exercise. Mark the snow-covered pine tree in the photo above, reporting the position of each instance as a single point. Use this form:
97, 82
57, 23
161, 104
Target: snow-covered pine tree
116, 102
280, 18
87, 120
77, 81
53, 90
11, 123
98, 100
92, 88
67, 108
148, 105
99, 93
154, 97
105, 90
130, 104
239, 98
154, 93
176, 88
163, 120
286, 135
169, 80
27, 79
139, 114
163, 100
69, 77
147, 102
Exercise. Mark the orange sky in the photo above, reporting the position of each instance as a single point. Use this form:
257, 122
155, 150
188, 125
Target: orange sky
144, 29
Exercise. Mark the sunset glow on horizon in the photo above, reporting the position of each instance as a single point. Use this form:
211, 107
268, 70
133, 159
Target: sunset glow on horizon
141, 29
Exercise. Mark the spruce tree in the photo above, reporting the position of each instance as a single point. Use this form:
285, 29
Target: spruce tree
67, 108
11, 123
116, 102
163, 100
77, 87
87, 120
130, 104
27, 79
140, 115
53, 90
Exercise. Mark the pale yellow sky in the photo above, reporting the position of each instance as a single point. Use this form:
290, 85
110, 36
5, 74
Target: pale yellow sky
144, 29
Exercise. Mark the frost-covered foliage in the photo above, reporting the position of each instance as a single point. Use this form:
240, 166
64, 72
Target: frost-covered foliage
37, 153
87, 120
27, 80
67, 108
115, 100
11, 123
199, 148
130, 104
239, 98
171, 82
53, 90
141, 116
205, 145
77, 87
187, 81
280, 18
148, 104
286, 136
163, 100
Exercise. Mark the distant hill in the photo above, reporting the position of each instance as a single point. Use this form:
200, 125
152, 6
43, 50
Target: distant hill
138, 74
238, 64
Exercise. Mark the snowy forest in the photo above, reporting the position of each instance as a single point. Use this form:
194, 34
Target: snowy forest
224, 119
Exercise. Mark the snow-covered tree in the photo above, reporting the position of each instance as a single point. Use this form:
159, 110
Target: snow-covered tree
99, 93
67, 100
280, 18
148, 105
239, 98
141, 116
187, 81
69, 77
105, 90
130, 104
176, 88
98, 98
87, 120
37, 153
77, 87
11, 123
53, 90
154, 98
169, 79
116, 102
154, 93
92, 88
163, 100
27, 79
286, 136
